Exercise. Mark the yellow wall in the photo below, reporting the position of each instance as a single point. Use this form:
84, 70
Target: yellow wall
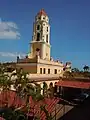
46, 50
27, 67
51, 67
34, 47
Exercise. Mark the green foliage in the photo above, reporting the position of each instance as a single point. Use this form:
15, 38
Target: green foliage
86, 74
67, 74
75, 70
76, 73
5, 80
45, 89
86, 68
24, 89
10, 114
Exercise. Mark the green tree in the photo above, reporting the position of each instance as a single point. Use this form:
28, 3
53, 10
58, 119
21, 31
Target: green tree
23, 86
75, 70
5, 82
86, 68
67, 74
51, 90
45, 89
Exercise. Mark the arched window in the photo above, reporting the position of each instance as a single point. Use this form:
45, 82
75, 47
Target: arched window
38, 27
47, 38
38, 36
40, 70
51, 85
45, 86
44, 71
55, 71
48, 71
47, 29
43, 18
55, 87
37, 49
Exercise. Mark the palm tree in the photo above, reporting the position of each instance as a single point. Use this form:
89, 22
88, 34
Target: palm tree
25, 88
86, 68
75, 70
21, 85
45, 89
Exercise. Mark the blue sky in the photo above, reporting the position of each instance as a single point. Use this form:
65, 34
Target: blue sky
70, 29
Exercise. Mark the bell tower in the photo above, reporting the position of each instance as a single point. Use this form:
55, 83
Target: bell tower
41, 36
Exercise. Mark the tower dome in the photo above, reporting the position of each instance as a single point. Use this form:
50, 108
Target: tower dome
42, 12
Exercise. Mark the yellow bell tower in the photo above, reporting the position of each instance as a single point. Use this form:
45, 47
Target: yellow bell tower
41, 36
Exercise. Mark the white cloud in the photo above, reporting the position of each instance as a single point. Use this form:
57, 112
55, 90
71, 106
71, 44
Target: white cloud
12, 55
8, 30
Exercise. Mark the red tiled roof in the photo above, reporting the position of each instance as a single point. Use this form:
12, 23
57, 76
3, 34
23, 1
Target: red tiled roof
42, 12
13, 99
74, 84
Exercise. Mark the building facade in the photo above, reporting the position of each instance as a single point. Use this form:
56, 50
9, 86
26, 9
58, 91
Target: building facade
39, 60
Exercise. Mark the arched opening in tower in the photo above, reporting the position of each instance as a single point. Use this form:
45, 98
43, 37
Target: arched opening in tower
37, 51
38, 36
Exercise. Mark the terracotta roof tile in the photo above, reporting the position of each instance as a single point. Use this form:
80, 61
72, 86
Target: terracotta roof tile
35, 105
42, 12
74, 84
